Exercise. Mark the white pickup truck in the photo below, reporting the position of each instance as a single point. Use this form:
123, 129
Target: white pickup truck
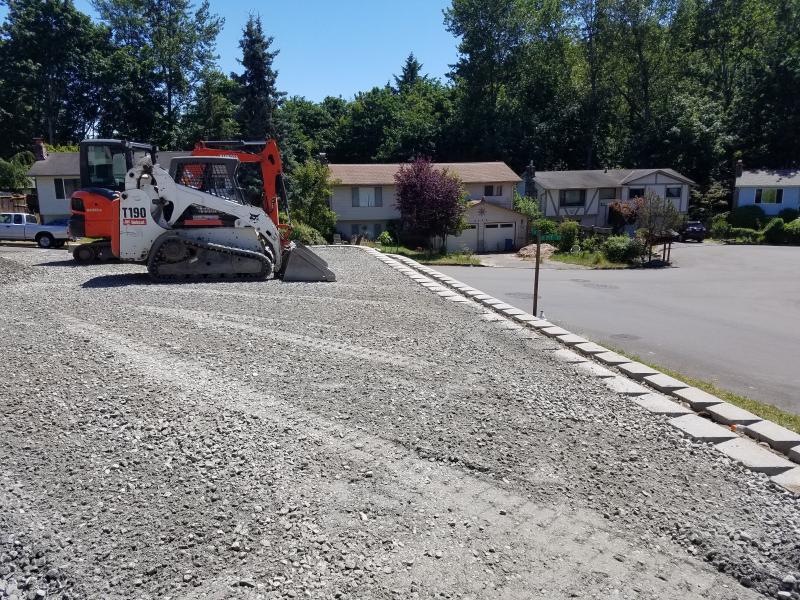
23, 226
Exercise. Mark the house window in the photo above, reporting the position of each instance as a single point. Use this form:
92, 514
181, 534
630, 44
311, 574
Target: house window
673, 192
367, 196
65, 187
607, 193
635, 193
569, 198
769, 196
354, 229
491, 191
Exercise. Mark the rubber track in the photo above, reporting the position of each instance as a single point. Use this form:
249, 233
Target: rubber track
265, 262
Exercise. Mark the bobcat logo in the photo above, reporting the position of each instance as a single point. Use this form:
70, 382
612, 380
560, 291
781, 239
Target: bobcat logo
254, 217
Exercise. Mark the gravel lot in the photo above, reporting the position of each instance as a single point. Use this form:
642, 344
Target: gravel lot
362, 439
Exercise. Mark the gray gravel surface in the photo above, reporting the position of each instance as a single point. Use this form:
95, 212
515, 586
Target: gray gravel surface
362, 439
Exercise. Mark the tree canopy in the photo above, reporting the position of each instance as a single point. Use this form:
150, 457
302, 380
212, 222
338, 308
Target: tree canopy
687, 84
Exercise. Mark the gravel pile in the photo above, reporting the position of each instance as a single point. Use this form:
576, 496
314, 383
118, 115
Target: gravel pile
12, 271
350, 440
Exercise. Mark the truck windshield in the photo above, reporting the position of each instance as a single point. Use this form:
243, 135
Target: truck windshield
107, 167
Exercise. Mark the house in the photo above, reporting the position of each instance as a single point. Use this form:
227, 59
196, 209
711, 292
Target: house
772, 190
585, 195
364, 201
58, 174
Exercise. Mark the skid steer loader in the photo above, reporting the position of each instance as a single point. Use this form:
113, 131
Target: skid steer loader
195, 223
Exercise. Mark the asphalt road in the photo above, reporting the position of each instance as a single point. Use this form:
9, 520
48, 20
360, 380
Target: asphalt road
727, 314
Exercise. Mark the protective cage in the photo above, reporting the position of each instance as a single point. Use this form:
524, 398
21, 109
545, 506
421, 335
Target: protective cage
212, 175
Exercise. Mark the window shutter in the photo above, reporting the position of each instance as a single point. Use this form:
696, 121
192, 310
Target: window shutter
779, 196
758, 196
378, 196
355, 195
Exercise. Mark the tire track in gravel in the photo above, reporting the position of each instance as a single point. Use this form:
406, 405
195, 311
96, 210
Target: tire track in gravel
218, 319
281, 297
458, 532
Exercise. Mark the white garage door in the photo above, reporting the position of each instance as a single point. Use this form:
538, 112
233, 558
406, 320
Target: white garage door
467, 239
498, 237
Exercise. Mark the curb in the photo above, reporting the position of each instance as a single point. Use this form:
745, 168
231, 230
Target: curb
769, 448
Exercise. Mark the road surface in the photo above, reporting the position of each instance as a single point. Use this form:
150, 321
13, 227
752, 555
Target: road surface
726, 314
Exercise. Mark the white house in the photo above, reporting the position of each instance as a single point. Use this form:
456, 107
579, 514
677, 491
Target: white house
772, 190
364, 200
585, 195
57, 175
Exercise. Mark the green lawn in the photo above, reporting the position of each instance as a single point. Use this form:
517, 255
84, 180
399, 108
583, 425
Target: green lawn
762, 409
432, 258
593, 260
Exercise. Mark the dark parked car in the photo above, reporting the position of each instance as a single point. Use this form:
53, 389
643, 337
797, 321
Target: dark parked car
693, 230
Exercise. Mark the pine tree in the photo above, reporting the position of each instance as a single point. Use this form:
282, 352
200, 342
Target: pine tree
259, 94
410, 75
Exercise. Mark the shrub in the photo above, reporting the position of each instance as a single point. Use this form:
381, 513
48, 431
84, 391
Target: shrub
788, 215
385, 239
306, 234
592, 243
545, 226
743, 233
621, 248
792, 231
747, 217
720, 228
568, 230
773, 232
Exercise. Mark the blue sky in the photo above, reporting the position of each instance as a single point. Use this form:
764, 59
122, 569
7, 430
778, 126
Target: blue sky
337, 47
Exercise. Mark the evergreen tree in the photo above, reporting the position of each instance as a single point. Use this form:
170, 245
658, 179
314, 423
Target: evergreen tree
260, 97
410, 75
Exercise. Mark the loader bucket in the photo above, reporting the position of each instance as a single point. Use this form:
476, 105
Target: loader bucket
301, 264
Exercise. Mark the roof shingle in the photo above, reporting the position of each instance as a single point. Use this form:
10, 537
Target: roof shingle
559, 180
383, 174
769, 177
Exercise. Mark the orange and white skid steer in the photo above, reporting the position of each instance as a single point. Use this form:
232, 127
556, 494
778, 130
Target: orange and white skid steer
194, 223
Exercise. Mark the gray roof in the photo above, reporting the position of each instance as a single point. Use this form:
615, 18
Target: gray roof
560, 180
767, 177
67, 164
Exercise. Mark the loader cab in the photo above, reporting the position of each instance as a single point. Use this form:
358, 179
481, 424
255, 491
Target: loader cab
104, 163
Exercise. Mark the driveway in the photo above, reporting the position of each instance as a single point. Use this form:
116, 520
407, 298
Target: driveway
727, 314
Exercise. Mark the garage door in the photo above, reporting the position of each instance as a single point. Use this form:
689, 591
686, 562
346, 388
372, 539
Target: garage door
467, 239
498, 237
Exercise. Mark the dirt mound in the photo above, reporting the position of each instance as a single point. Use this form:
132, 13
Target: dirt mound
529, 252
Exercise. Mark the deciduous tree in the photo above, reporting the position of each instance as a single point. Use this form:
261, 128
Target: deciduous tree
430, 201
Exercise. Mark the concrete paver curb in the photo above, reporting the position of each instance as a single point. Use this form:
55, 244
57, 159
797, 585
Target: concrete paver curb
702, 430
661, 405
742, 450
754, 457
773, 434
730, 414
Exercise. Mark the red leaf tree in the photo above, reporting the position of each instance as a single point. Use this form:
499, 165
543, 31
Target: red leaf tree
430, 201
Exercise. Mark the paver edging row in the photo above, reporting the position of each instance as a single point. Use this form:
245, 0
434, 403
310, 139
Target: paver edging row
782, 471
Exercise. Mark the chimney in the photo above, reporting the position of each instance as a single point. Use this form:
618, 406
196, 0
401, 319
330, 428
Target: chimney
739, 168
39, 149
530, 173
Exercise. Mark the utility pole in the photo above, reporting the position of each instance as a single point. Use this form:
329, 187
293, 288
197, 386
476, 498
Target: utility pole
536, 274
